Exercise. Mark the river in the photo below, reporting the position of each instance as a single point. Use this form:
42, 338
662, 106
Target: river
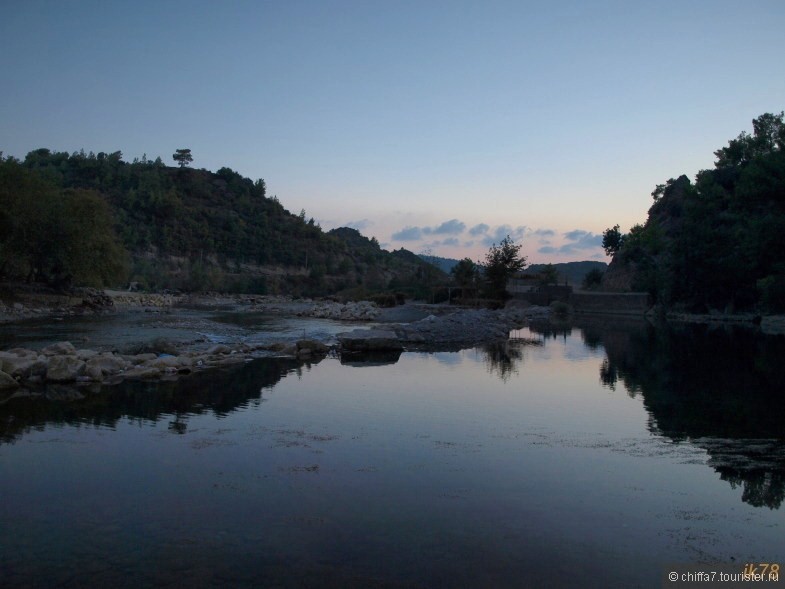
588, 455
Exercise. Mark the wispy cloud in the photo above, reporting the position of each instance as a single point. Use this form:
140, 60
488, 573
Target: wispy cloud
487, 235
451, 241
544, 232
408, 234
502, 231
414, 233
451, 227
479, 229
578, 240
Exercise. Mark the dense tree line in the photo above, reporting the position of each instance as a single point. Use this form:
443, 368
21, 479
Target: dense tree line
717, 242
87, 218
61, 236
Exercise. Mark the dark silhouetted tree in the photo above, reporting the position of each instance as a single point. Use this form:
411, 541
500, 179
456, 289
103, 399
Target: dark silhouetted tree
501, 262
612, 240
183, 157
465, 273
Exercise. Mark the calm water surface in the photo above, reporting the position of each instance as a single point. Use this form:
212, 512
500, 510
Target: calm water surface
586, 456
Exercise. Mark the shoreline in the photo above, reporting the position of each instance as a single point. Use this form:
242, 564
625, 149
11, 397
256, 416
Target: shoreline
412, 326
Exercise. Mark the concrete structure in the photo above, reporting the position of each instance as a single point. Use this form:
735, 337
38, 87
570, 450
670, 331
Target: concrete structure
616, 303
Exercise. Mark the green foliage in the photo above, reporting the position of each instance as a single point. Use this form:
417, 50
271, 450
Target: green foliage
572, 272
465, 273
548, 275
593, 279
501, 262
53, 235
560, 308
222, 227
612, 240
717, 243
183, 157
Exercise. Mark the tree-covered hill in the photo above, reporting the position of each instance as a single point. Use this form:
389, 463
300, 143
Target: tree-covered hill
717, 242
167, 227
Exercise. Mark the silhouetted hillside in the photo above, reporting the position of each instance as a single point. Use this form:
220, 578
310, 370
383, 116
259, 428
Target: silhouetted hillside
178, 228
718, 242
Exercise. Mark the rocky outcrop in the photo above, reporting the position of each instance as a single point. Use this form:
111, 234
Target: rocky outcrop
24, 365
619, 276
63, 363
352, 311
64, 368
469, 326
132, 300
369, 340
7, 382
60, 348
102, 366
457, 328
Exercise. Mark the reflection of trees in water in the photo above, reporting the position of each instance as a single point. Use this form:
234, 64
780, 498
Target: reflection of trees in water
551, 330
760, 488
503, 358
217, 391
720, 388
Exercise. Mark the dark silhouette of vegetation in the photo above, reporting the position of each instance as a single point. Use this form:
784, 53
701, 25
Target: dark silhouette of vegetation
179, 228
465, 273
501, 262
183, 157
548, 275
717, 242
612, 240
60, 236
593, 279
570, 272
719, 388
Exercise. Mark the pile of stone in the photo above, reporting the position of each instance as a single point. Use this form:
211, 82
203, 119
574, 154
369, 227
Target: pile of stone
352, 311
466, 327
145, 300
63, 363
469, 326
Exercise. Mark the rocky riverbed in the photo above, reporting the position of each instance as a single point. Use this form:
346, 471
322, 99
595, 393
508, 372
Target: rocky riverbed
406, 327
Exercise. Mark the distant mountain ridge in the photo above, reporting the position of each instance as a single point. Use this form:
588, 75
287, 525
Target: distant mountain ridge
573, 272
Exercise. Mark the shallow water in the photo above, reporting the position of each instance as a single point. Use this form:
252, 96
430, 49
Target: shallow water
130, 329
583, 457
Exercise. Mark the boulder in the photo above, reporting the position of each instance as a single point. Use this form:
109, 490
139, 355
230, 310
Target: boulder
98, 367
219, 349
64, 368
369, 340
58, 349
140, 358
23, 366
7, 381
164, 362
86, 354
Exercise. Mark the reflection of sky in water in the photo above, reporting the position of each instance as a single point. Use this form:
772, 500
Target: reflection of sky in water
432, 470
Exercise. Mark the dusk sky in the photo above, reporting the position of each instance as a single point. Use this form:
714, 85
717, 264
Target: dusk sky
435, 126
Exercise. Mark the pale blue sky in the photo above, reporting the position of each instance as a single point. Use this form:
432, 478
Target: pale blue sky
449, 122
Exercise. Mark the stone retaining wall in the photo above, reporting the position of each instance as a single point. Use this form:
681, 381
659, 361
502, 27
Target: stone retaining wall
631, 303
